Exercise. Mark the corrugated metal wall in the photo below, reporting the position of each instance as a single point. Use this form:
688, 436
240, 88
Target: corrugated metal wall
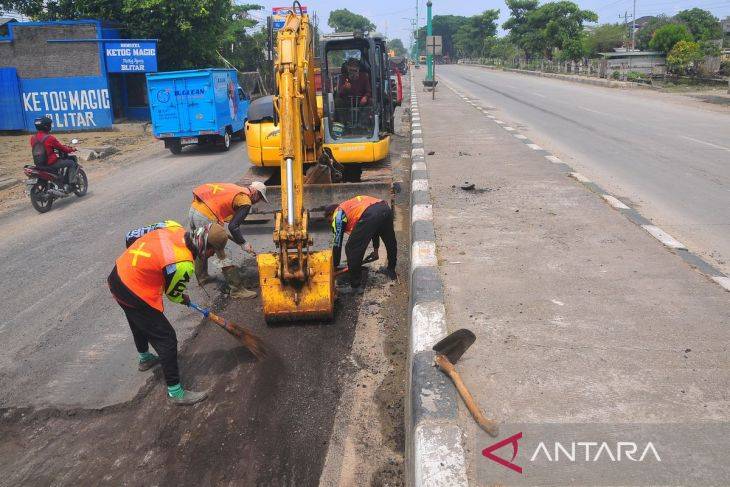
11, 111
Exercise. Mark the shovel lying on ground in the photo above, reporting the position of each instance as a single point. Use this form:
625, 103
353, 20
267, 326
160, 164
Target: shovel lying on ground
248, 339
449, 350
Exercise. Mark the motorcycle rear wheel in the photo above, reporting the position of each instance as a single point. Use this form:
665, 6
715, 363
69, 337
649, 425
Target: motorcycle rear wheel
41, 202
82, 183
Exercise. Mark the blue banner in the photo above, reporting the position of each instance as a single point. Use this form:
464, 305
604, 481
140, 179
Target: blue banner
81, 103
131, 57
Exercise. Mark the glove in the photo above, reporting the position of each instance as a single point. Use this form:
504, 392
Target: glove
186, 299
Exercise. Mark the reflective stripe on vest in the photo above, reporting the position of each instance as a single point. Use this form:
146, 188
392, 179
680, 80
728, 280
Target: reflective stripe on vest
354, 208
141, 266
218, 197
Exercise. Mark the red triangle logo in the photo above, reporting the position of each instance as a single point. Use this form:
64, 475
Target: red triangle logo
514, 439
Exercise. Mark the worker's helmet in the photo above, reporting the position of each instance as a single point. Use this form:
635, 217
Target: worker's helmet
43, 124
197, 241
261, 188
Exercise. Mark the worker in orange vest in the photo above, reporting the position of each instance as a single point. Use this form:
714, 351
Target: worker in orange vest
225, 203
366, 219
158, 260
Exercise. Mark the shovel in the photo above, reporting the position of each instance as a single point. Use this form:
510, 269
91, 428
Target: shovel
370, 258
247, 339
449, 351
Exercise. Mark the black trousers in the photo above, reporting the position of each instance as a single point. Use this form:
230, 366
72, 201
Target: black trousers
149, 327
376, 223
70, 163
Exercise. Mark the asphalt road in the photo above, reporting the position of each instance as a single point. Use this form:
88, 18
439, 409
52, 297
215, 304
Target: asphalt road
65, 342
666, 155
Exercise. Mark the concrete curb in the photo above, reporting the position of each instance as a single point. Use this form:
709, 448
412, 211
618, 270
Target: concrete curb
434, 450
574, 78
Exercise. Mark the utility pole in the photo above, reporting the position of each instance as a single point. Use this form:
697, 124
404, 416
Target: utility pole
418, 53
429, 32
633, 29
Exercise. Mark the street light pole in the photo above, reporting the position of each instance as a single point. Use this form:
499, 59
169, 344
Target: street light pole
429, 32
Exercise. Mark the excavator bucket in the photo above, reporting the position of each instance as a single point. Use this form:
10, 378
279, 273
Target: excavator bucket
313, 300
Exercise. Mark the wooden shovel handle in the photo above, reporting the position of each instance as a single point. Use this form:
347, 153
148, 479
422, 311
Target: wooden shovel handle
488, 425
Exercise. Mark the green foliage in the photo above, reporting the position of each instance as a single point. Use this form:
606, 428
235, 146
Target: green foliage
502, 48
710, 48
634, 76
667, 36
469, 38
446, 27
684, 56
701, 24
551, 26
190, 32
397, 46
604, 38
342, 20
644, 35
615, 75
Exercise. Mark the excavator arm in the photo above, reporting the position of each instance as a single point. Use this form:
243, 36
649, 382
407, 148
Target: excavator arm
296, 283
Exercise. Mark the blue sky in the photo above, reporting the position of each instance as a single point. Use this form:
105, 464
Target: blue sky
389, 15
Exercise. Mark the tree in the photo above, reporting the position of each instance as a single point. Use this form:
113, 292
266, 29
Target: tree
342, 20
556, 25
469, 38
684, 56
701, 24
605, 38
397, 46
667, 36
502, 48
519, 33
446, 27
645, 33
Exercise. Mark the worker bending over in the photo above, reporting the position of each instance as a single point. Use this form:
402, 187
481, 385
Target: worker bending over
366, 219
159, 259
225, 203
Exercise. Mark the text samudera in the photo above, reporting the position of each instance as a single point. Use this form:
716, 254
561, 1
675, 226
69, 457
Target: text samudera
68, 108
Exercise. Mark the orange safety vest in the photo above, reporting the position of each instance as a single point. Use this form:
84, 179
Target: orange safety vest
354, 208
218, 197
141, 266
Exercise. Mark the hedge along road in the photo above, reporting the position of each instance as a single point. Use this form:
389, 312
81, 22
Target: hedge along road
65, 341
667, 155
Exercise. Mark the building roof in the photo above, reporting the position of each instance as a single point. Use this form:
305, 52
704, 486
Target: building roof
7, 20
630, 54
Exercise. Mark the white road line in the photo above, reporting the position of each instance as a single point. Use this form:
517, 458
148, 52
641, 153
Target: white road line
491, 116
520, 136
664, 237
591, 110
534, 147
707, 143
508, 129
552, 159
499, 122
579, 177
616, 203
723, 281
539, 94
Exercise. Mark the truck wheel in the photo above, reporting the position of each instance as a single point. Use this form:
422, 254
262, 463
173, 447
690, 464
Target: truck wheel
175, 147
226, 141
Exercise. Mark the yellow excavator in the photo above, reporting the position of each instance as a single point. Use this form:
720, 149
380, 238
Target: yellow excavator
296, 282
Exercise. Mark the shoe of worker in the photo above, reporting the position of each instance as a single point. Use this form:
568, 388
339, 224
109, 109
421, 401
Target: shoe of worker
388, 272
351, 290
187, 397
147, 361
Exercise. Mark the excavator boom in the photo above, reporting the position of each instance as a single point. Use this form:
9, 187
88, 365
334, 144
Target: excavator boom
296, 283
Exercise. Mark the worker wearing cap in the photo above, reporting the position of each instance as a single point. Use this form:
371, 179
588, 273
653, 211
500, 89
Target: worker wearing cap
225, 203
365, 219
158, 261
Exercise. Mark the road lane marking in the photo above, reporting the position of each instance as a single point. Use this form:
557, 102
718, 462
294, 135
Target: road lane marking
707, 143
499, 122
664, 237
579, 177
534, 147
615, 202
539, 94
520, 136
723, 281
508, 129
552, 159
591, 110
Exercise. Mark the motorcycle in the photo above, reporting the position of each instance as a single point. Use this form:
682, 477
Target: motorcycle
44, 186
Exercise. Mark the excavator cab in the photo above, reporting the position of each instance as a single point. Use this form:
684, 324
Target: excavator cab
356, 96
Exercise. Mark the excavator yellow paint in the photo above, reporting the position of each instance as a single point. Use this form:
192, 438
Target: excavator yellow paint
263, 143
314, 300
296, 283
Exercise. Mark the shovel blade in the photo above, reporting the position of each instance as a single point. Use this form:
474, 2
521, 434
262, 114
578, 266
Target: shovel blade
454, 345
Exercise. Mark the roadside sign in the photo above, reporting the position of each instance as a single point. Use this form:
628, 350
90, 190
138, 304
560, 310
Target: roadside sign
433, 45
131, 57
278, 16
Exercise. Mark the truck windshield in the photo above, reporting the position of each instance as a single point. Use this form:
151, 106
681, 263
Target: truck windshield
350, 91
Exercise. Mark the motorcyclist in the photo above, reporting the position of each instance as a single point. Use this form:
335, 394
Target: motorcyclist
57, 155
